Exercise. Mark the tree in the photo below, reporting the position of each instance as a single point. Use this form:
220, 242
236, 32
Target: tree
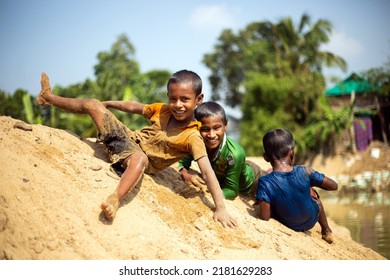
301, 45
116, 69
12, 105
281, 49
117, 78
233, 56
274, 72
264, 108
323, 127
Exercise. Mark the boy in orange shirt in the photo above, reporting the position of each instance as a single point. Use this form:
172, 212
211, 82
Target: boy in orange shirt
173, 133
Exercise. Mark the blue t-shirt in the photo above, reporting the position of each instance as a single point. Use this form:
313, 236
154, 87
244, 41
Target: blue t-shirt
288, 193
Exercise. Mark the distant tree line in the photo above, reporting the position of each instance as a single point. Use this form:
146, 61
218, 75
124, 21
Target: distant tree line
118, 77
271, 71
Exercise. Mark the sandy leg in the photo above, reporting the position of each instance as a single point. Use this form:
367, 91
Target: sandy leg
45, 88
110, 206
327, 236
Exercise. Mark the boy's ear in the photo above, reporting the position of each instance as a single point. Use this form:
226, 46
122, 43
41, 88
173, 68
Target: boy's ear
199, 99
265, 157
291, 154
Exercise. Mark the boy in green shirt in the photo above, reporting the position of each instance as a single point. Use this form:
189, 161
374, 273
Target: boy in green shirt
227, 157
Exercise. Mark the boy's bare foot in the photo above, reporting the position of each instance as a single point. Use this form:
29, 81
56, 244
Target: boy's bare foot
327, 236
45, 88
110, 207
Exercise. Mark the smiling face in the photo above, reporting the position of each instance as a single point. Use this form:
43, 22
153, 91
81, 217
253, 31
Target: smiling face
213, 130
182, 101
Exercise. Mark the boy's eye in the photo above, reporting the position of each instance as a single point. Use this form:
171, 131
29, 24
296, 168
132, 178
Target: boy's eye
182, 99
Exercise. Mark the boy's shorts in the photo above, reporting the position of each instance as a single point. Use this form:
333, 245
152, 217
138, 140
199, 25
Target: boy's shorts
120, 142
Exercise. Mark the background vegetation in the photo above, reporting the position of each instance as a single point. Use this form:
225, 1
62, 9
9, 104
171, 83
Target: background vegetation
272, 72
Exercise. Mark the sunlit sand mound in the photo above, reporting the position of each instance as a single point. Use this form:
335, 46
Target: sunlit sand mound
52, 184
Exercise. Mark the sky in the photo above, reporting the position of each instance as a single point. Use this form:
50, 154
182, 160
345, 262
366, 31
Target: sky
63, 37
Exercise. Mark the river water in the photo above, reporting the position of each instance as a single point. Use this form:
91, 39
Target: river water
366, 215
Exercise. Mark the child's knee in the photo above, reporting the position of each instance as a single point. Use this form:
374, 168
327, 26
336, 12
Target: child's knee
93, 105
138, 160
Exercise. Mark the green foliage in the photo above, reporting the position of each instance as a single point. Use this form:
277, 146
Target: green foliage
273, 71
118, 78
266, 91
150, 88
31, 116
323, 126
253, 130
307, 88
20, 106
281, 49
116, 69
12, 105
263, 109
380, 76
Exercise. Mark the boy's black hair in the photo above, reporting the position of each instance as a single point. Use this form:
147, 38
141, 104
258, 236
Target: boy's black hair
186, 76
209, 108
278, 143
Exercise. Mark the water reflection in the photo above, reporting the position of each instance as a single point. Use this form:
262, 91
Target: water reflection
366, 215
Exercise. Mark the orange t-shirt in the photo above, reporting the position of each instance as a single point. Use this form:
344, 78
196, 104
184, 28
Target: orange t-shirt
165, 147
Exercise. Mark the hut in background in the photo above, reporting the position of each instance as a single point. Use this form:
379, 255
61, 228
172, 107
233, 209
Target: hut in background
371, 115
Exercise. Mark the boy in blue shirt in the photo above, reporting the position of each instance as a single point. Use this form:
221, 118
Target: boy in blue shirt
287, 194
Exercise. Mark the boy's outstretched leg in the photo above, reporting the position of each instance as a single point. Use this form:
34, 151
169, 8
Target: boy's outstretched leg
92, 107
326, 232
135, 166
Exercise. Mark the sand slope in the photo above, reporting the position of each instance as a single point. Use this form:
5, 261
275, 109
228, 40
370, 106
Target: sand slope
52, 183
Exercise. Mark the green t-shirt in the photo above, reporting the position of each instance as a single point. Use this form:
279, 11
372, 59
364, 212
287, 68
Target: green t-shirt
229, 164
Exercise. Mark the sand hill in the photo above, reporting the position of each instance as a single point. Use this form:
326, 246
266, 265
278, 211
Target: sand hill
51, 186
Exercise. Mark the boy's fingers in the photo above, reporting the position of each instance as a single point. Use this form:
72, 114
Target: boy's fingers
225, 220
197, 182
233, 223
200, 180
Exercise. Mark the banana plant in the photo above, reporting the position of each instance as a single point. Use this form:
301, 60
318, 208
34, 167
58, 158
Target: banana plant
29, 110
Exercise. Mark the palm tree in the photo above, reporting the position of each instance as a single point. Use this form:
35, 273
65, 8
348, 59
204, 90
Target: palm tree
302, 44
281, 49
300, 49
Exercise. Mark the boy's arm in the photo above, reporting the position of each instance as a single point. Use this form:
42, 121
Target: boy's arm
320, 180
232, 182
328, 184
209, 177
132, 107
190, 179
184, 165
234, 157
264, 210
